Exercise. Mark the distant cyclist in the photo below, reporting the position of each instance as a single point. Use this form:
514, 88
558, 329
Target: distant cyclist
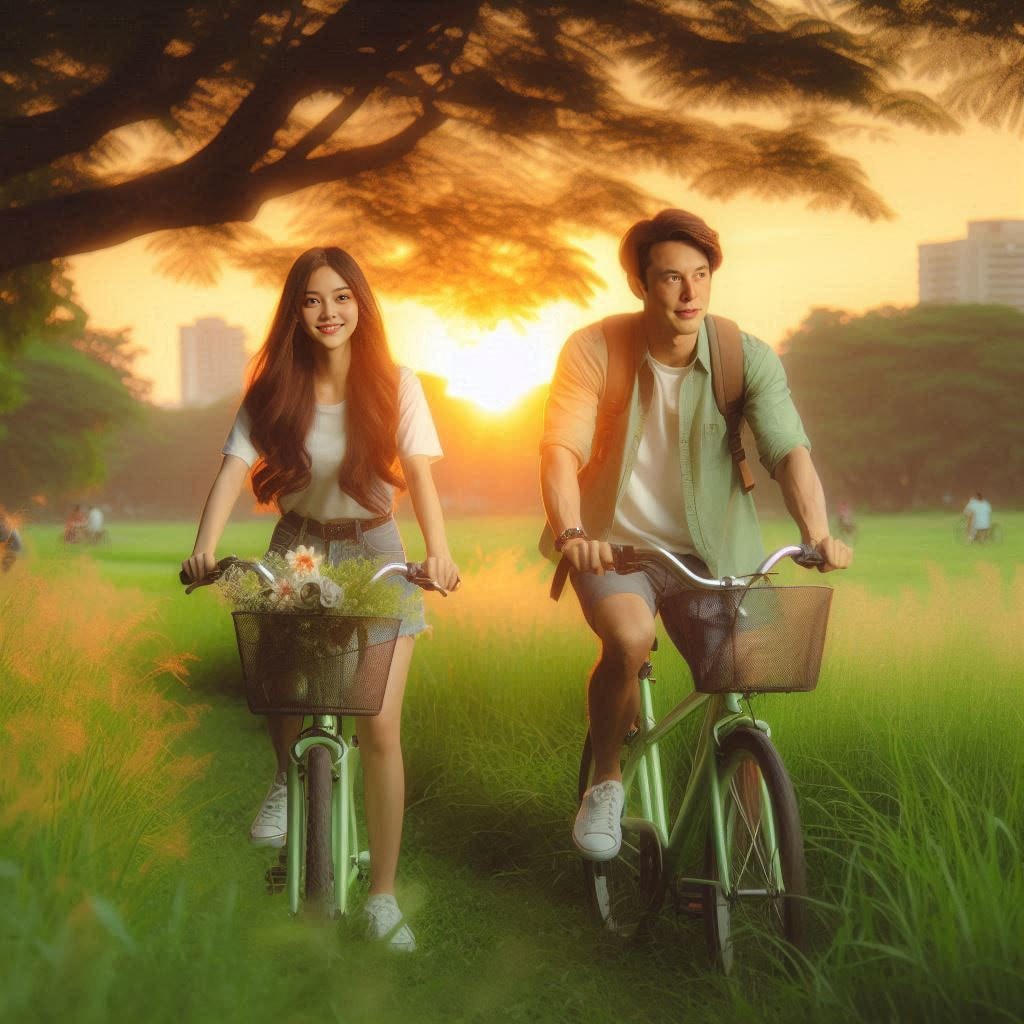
846, 521
978, 513
10, 543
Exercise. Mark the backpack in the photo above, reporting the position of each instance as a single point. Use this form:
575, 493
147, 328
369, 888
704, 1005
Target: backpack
726, 350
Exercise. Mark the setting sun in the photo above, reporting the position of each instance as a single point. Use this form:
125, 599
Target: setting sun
499, 370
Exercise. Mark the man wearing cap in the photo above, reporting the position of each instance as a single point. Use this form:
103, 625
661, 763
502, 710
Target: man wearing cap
669, 481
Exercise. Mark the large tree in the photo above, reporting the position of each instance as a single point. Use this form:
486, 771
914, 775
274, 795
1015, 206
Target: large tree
465, 140
906, 405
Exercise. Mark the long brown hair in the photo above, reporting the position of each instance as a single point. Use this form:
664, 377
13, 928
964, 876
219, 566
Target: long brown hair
280, 398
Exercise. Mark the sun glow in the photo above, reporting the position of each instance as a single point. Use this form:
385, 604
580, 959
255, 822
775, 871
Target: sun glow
495, 369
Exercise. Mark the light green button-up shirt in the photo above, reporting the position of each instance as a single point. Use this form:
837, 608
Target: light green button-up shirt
722, 519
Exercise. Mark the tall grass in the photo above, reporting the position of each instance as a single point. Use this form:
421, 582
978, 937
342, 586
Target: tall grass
907, 759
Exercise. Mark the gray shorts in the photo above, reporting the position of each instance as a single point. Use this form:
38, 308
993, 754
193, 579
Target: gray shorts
381, 544
659, 588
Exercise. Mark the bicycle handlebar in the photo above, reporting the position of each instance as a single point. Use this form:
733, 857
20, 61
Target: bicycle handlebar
412, 571
628, 559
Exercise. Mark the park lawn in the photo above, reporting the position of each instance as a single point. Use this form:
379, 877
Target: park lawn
135, 892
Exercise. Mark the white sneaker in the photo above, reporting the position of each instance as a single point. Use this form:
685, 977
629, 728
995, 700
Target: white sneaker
384, 921
271, 825
597, 832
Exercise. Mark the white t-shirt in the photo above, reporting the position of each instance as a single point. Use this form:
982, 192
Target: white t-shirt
982, 512
327, 443
652, 511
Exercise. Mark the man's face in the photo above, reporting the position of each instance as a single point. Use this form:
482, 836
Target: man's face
678, 287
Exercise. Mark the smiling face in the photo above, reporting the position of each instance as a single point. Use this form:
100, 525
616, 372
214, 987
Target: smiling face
678, 289
329, 309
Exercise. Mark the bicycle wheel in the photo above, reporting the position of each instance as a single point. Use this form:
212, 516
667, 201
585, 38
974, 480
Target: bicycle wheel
960, 530
769, 877
319, 864
624, 893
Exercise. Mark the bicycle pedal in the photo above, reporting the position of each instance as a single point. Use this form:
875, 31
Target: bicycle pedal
689, 901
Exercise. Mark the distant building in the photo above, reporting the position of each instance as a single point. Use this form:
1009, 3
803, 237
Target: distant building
212, 361
987, 266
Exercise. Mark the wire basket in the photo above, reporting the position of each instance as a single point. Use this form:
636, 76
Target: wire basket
761, 639
314, 664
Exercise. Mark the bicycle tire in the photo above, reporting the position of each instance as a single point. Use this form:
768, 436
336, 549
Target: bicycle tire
319, 862
755, 922
624, 894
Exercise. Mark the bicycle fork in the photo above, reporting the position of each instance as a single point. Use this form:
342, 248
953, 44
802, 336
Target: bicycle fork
326, 732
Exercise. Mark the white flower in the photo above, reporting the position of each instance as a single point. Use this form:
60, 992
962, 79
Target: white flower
283, 591
304, 561
331, 595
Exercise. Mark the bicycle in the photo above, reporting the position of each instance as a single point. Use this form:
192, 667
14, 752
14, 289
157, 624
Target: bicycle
330, 668
962, 534
754, 877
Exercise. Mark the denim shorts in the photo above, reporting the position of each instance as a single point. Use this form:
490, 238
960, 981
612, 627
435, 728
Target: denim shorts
381, 544
660, 589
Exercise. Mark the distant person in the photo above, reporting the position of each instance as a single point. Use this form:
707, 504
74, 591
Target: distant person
669, 479
846, 521
74, 525
94, 525
979, 519
331, 427
10, 539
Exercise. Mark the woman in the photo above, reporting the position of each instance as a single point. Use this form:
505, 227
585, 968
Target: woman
332, 427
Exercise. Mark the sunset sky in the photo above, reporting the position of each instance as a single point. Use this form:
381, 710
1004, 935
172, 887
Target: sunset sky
780, 261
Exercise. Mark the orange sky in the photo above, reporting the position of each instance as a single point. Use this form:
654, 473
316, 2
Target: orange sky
780, 261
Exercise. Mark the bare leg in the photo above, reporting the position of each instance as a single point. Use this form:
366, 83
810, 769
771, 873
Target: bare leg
380, 749
625, 626
284, 731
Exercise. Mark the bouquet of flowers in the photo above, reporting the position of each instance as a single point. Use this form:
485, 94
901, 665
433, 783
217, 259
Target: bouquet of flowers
304, 584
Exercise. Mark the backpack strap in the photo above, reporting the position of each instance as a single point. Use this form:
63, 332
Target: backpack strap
618, 385
726, 348
618, 388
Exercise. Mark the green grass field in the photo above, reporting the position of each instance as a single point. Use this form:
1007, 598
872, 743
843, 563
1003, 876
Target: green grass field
133, 770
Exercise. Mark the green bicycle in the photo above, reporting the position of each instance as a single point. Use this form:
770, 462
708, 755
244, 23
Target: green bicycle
328, 668
743, 637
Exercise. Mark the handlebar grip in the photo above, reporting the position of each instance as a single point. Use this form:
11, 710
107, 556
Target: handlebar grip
183, 578
809, 558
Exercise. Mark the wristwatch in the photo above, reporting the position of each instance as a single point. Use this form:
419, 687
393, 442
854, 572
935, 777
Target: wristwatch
572, 533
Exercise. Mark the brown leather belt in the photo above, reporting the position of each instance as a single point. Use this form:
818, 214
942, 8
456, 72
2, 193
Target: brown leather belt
334, 529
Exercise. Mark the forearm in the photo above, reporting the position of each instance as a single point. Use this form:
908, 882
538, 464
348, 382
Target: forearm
560, 488
803, 494
426, 505
222, 498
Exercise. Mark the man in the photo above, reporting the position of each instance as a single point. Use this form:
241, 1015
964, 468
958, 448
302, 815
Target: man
670, 480
979, 518
10, 543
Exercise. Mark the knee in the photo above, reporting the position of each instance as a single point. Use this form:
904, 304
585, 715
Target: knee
625, 648
379, 739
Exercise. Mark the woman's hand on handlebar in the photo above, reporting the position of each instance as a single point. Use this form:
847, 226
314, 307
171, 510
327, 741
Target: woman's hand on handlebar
589, 555
443, 571
197, 565
834, 554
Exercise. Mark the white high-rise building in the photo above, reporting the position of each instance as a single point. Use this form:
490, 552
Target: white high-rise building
987, 266
212, 361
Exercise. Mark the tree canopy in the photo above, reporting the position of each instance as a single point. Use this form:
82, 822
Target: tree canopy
906, 405
461, 143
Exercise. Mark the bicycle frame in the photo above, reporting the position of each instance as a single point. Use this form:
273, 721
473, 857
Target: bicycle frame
326, 731
722, 716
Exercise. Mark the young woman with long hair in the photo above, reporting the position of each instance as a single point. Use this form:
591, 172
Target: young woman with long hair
330, 427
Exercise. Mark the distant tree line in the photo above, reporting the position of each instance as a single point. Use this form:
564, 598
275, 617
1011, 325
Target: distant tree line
903, 407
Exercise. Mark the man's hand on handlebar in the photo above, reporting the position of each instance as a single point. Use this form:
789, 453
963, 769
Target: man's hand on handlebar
834, 553
589, 555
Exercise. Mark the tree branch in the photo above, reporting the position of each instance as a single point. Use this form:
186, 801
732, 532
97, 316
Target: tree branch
147, 84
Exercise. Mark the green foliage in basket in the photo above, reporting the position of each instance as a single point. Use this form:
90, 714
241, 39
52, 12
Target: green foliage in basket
305, 583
